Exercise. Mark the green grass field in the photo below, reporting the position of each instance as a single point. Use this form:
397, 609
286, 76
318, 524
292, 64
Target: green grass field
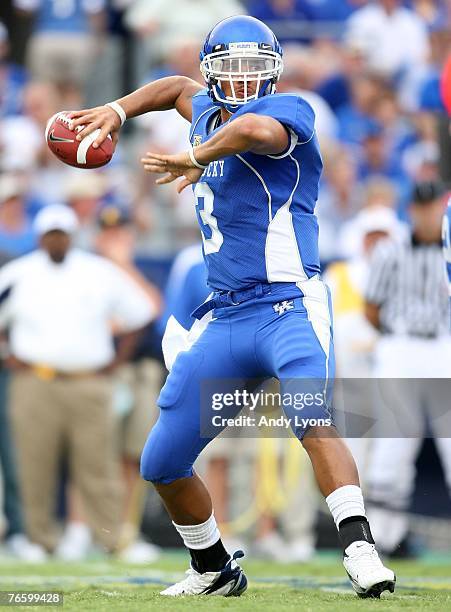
316, 586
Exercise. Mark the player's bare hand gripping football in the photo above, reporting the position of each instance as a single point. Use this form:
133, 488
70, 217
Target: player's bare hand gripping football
163, 94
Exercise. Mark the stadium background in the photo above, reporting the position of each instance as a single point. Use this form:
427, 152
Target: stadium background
381, 123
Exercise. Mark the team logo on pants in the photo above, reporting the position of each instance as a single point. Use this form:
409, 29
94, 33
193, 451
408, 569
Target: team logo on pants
282, 307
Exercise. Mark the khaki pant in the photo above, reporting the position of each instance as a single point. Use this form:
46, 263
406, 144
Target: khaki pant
72, 416
61, 58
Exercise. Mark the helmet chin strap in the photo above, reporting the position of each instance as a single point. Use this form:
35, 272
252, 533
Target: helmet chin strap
219, 98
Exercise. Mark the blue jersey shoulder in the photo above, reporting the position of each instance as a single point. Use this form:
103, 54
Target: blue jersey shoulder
203, 93
201, 103
290, 109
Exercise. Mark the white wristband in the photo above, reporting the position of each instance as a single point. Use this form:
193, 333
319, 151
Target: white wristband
119, 110
194, 160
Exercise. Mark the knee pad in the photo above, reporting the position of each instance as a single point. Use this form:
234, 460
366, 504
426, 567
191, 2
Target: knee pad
164, 457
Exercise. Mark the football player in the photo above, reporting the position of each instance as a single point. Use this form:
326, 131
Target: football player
254, 164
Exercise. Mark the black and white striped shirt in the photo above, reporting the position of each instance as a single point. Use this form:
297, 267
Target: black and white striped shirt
408, 282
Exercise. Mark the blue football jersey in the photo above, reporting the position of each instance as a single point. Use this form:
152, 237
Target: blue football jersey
256, 212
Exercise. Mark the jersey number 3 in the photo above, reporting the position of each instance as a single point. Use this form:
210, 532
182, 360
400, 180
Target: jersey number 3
211, 236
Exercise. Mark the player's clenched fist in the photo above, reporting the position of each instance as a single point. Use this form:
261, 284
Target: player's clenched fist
174, 166
101, 117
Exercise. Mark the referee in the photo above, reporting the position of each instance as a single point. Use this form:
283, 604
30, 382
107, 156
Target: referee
407, 301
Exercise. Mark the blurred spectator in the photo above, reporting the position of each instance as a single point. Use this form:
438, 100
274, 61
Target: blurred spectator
426, 96
379, 27
354, 337
167, 132
115, 240
22, 143
432, 12
335, 87
310, 64
84, 192
136, 387
378, 205
293, 81
331, 10
412, 363
16, 233
376, 160
183, 59
347, 281
63, 44
354, 117
288, 19
162, 28
12, 79
340, 198
420, 158
58, 304
398, 131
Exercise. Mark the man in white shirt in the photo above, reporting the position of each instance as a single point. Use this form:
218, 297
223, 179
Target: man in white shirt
379, 27
59, 304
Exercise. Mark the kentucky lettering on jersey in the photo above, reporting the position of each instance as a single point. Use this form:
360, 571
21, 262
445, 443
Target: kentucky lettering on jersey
256, 212
214, 169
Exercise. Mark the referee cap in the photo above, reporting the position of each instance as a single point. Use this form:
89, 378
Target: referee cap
378, 219
428, 191
55, 217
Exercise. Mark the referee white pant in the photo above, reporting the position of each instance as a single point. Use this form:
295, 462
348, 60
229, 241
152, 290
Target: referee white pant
414, 390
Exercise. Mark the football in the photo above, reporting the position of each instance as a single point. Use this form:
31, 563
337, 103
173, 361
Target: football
61, 140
